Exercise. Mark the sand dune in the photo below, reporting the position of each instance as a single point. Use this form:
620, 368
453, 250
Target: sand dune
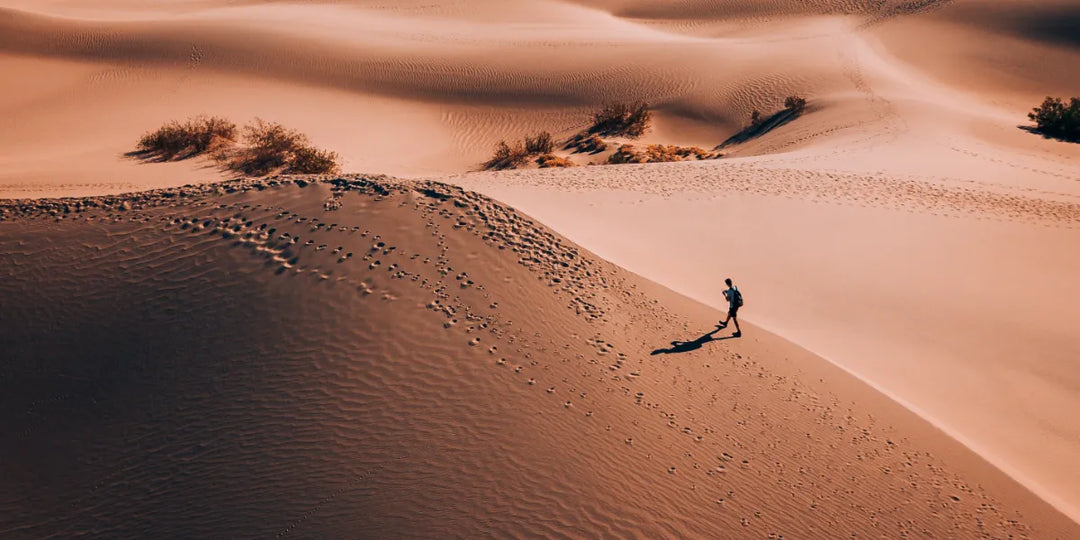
369, 357
906, 228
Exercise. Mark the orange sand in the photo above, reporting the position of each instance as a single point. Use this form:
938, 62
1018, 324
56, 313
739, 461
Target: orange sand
905, 228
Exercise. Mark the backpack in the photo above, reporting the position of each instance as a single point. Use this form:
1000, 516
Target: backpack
738, 297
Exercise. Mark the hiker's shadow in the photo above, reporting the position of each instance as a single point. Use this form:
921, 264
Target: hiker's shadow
687, 346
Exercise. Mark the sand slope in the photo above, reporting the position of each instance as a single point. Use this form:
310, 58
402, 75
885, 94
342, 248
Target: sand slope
372, 358
906, 228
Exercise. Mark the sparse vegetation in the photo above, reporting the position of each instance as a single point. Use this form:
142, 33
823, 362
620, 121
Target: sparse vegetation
273, 147
181, 140
795, 103
516, 154
584, 142
542, 143
658, 153
622, 119
755, 118
507, 156
550, 160
269, 146
310, 160
626, 154
1055, 118
670, 152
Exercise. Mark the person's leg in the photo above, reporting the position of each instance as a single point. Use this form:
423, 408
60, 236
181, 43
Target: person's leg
738, 332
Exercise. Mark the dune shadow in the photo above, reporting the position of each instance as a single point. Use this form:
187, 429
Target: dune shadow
774, 121
154, 156
157, 156
146, 156
687, 346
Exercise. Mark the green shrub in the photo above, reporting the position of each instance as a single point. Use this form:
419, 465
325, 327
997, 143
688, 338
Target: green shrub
542, 143
1055, 118
630, 120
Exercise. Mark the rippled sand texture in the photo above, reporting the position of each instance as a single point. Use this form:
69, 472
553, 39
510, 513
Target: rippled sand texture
375, 358
905, 228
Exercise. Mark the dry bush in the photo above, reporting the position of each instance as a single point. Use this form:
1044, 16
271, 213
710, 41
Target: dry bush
630, 120
272, 147
1055, 118
181, 140
658, 153
755, 118
542, 143
588, 143
507, 156
548, 161
268, 146
627, 154
309, 160
795, 103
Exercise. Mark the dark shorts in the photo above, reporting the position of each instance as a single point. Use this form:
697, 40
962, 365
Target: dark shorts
732, 311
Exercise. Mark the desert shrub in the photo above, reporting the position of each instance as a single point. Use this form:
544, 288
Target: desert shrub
588, 143
661, 152
695, 151
755, 118
626, 154
795, 103
542, 143
180, 140
548, 161
268, 146
309, 160
630, 120
507, 156
658, 153
272, 147
1055, 118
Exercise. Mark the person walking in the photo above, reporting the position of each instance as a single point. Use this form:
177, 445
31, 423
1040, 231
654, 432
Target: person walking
735, 301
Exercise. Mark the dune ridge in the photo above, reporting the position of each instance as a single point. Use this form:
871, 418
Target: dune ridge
235, 352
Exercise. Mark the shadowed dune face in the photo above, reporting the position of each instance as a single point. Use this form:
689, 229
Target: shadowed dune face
374, 358
1055, 22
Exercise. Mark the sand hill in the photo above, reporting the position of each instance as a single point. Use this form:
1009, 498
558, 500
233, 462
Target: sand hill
907, 229
369, 357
